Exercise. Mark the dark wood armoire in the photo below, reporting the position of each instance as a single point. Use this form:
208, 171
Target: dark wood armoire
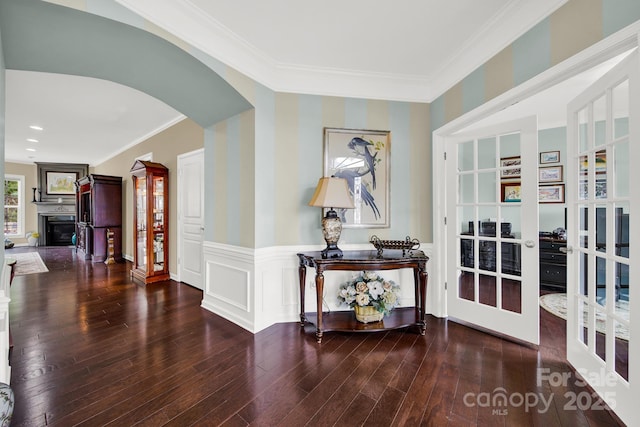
98, 217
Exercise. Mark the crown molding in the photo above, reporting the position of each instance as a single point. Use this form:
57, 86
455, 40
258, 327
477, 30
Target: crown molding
148, 135
188, 22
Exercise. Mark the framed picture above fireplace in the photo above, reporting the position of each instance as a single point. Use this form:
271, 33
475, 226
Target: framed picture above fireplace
61, 182
56, 181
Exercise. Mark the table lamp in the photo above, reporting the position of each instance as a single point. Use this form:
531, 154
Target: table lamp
332, 193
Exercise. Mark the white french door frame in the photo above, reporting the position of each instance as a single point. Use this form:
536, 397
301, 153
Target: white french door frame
519, 275
617, 43
602, 374
608, 48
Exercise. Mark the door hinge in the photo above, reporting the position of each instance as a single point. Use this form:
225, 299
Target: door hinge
445, 220
445, 155
445, 286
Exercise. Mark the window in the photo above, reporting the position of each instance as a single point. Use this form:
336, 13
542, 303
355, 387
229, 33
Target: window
13, 205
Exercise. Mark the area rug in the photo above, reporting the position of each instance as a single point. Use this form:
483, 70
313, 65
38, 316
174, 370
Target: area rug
28, 263
556, 304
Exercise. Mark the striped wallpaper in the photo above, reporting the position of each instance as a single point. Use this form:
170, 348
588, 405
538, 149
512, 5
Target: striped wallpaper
573, 27
261, 187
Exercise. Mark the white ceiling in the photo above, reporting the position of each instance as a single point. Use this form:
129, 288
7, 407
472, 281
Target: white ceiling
84, 120
412, 50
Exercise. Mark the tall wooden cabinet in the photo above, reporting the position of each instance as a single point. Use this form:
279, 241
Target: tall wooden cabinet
98, 212
151, 219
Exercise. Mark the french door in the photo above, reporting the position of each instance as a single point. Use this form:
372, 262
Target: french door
604, 201
492, 228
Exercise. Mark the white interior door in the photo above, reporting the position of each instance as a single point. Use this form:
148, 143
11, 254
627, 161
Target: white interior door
603, 145
191, 217
492, 228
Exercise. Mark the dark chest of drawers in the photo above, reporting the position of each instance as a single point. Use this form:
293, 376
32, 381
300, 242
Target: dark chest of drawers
553, 264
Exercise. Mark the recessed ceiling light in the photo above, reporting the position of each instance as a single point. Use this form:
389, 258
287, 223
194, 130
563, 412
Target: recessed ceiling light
32, 140
36, 127
31, 149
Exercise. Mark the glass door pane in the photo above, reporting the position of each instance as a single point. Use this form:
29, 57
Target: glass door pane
158, 223
141, 226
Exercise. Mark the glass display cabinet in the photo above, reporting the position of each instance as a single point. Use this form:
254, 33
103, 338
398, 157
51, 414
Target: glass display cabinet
151, 219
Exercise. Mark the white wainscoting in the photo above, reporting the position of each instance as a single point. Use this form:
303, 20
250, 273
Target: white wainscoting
256, 288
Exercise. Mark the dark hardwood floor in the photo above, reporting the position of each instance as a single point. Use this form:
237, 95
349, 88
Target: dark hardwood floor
92, 348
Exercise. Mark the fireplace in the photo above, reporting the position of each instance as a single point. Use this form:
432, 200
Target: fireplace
59, 230
56, 223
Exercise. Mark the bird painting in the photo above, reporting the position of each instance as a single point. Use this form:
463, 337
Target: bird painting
350, 175
361, 148
359, 170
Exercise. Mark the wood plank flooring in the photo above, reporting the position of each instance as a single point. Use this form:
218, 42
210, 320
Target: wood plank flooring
92, 348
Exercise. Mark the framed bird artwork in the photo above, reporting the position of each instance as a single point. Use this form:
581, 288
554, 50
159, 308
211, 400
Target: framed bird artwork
362, 158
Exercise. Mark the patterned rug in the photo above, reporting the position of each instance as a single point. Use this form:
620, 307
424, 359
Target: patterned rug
556, 304
28, 263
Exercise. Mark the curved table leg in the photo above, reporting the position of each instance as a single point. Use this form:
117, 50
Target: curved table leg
423, 300
319, 293
302, 276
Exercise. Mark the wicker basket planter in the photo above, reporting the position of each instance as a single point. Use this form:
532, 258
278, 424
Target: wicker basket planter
367, 314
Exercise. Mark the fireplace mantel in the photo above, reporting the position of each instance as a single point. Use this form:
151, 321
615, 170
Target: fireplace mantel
48, 208
51, 213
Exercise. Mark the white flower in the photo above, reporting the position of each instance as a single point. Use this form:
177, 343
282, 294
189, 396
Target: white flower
347, 295
375, 289
362, 299
370, 275
390, 299
361, 287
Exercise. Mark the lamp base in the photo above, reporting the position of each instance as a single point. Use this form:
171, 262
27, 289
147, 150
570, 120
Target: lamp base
331, 251
331, 229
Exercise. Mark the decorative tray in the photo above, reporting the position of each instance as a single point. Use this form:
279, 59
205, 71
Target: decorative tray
408, 244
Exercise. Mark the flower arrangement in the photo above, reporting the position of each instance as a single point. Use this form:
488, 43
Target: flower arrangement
370, 289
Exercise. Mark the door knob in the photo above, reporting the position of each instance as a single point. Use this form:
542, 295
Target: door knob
567, 250
530, 243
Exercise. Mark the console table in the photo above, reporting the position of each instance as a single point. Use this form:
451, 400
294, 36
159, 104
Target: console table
360, 261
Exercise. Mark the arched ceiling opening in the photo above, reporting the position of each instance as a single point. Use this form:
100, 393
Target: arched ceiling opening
40, 36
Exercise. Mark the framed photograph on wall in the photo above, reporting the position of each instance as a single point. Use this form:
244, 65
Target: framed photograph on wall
510, 192
549, 157
551, 193
61, 182
550, 174
362, 158
510, 167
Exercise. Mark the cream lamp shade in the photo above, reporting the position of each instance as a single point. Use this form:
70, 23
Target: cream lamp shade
332, 192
